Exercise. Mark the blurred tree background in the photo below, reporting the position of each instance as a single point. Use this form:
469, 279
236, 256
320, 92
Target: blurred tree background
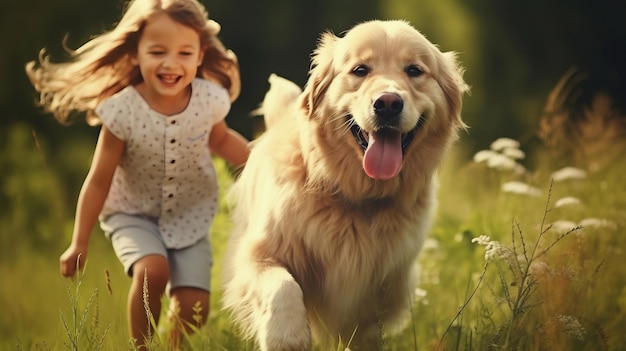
514, 53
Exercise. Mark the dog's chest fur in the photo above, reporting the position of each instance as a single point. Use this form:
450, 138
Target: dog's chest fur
352, 250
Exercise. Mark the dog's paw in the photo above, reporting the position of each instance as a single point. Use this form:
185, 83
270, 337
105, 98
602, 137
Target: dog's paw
283, 322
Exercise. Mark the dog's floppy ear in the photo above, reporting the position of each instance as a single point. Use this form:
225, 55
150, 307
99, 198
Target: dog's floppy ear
320, 74
451, 81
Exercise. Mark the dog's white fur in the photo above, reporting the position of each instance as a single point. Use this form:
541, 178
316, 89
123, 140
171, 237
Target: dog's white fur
320, 247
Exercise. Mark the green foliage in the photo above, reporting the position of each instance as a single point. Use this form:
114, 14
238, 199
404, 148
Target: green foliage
532, 286
79, 329
511, 65
25, 212
463, 302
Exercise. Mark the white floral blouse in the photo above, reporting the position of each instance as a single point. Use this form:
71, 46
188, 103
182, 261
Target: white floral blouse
166, 171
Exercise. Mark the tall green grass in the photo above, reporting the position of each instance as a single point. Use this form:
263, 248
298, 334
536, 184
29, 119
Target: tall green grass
529, 283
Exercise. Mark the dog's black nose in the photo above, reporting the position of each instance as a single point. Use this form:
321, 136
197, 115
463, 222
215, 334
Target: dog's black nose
388, 105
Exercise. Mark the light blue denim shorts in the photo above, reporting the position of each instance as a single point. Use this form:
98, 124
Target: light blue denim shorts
134, 237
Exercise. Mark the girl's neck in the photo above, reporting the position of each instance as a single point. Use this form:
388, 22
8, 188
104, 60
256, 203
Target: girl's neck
163, 104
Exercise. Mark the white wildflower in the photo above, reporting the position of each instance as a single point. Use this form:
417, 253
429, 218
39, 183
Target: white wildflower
494, 251
563, 226
503, 163
522, 188
482, 240
568, 173
512, 153
519, 169
502, 143
499, 161
430, 244
484, 155
420, 296
596, 222
419, 293
572, 327
566, 201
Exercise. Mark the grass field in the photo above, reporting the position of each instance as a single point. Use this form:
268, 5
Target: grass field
532, 265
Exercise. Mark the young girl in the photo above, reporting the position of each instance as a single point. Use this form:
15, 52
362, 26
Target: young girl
161, 84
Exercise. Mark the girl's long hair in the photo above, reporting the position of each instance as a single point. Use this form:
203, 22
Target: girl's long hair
102, 66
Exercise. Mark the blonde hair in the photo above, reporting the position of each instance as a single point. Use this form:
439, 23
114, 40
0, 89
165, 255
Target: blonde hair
102, 67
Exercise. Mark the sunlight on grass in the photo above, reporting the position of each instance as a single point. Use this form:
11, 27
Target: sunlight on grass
78, 328
503, 269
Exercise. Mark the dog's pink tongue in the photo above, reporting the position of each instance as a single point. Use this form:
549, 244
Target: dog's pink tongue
383, 157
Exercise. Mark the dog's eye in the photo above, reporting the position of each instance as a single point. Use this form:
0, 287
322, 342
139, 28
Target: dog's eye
361, 70
413, 71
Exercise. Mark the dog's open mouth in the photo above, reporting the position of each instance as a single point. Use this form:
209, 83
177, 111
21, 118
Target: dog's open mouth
384, 149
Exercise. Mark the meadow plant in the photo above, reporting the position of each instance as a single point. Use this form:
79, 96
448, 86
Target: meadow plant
146, 305
539, 295
567, 173
486, 282
503, 154
567, 201
519, 268
79, 331
517, 187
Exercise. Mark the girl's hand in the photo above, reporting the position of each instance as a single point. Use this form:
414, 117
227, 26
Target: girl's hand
92, 195
72, 259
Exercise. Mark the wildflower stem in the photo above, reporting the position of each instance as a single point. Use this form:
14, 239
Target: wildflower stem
146, 304
467, 301
543, 223
530, 260
559, 239
526, 282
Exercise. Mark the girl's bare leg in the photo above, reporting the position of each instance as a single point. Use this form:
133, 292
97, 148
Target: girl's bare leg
155, 269
189, 308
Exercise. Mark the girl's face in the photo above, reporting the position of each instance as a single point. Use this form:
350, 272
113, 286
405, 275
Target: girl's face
168, 55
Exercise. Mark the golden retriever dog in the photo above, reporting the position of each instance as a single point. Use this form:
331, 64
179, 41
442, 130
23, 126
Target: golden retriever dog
337, 196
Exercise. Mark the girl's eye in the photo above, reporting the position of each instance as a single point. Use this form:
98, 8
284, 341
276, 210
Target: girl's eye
361, 70
156, 53
185, 53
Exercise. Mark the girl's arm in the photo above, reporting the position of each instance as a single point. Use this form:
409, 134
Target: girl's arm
91, 199
229, 145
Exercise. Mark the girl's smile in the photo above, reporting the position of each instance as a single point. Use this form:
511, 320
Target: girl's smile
152, 182
168, 56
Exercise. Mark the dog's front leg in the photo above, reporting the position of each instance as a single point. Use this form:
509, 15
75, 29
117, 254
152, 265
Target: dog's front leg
280, 314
